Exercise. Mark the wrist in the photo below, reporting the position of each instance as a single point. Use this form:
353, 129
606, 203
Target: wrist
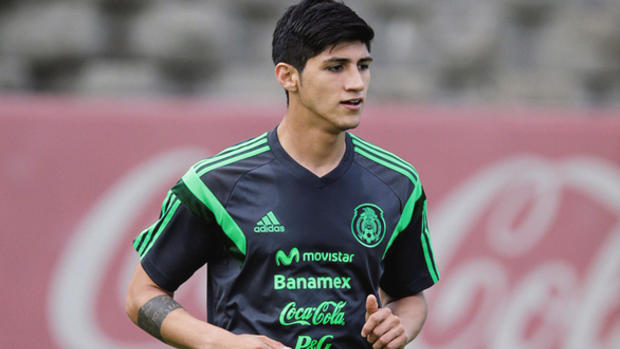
216, 338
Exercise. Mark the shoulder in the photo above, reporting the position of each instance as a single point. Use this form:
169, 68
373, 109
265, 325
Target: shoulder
395, 172
219, 173
240, 157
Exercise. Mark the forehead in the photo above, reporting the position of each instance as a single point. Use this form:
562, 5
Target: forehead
353, 50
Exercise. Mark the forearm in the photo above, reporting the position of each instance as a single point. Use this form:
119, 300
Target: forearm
157, 313
411, 311
167, 321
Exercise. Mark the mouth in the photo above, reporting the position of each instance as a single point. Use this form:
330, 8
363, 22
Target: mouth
354, 102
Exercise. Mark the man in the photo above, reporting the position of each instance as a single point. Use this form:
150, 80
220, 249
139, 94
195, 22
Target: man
314, 238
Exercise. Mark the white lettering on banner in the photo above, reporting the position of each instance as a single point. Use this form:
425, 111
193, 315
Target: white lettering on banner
546, 292
546, 189
600, 297
482, 274
77, 278
572, 312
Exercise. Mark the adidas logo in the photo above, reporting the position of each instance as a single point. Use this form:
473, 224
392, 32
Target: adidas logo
268, 224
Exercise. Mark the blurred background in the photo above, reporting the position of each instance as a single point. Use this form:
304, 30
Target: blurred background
534, 52
508, 109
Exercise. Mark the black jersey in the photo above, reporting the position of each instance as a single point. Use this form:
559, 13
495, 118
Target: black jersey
291, 255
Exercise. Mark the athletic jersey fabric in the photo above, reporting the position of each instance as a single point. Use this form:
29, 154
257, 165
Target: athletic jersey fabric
291, 255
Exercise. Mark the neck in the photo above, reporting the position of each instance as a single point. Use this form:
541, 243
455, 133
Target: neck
317, 149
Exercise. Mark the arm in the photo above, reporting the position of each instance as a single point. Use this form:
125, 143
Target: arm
411, 310
396, 324
155, 311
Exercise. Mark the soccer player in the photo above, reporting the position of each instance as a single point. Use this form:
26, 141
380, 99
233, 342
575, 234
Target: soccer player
314, 238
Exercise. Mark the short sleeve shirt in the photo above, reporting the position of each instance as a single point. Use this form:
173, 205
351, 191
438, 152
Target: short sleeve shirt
291, 255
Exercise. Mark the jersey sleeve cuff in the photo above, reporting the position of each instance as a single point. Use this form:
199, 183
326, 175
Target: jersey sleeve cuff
408, 289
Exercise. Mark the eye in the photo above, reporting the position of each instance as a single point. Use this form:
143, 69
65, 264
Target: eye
363, 66
335, 68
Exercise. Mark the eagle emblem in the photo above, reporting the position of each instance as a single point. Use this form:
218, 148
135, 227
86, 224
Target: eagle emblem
368, 224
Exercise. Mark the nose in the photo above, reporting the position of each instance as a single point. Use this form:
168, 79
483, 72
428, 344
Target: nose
355, 81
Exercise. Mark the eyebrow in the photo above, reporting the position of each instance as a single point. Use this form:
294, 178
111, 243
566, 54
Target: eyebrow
367, 59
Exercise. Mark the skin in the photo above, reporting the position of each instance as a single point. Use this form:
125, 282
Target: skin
312, 132
396, 324
154, 310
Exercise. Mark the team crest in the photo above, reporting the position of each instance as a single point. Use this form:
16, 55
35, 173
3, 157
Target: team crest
368, 225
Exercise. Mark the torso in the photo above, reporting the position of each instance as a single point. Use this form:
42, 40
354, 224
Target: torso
314, 249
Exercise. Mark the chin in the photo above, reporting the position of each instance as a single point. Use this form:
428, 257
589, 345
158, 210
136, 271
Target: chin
350, 124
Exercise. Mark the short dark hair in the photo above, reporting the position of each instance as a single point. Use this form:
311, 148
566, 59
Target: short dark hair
309, 27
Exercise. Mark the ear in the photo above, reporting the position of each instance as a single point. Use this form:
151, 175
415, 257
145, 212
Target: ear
287, 76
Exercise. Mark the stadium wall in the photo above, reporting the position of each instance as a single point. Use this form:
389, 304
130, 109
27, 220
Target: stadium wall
524, 210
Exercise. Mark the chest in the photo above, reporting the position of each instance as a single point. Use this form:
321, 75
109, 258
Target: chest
346, 223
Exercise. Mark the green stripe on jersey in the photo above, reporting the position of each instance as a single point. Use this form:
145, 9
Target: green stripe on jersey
244, 148
145, 235
138, 241
193, 182
428, 247
199, 190
405, 217
382, 161
243, 144
233, 160
377, 149
146, 247
392, 158
428, 258
166, 203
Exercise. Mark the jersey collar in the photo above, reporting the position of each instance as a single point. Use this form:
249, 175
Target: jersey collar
304, 174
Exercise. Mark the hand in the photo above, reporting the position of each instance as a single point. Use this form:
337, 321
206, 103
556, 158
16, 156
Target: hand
382, 328
248, 341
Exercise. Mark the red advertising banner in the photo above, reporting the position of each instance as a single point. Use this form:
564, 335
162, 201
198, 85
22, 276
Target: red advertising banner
524, 210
